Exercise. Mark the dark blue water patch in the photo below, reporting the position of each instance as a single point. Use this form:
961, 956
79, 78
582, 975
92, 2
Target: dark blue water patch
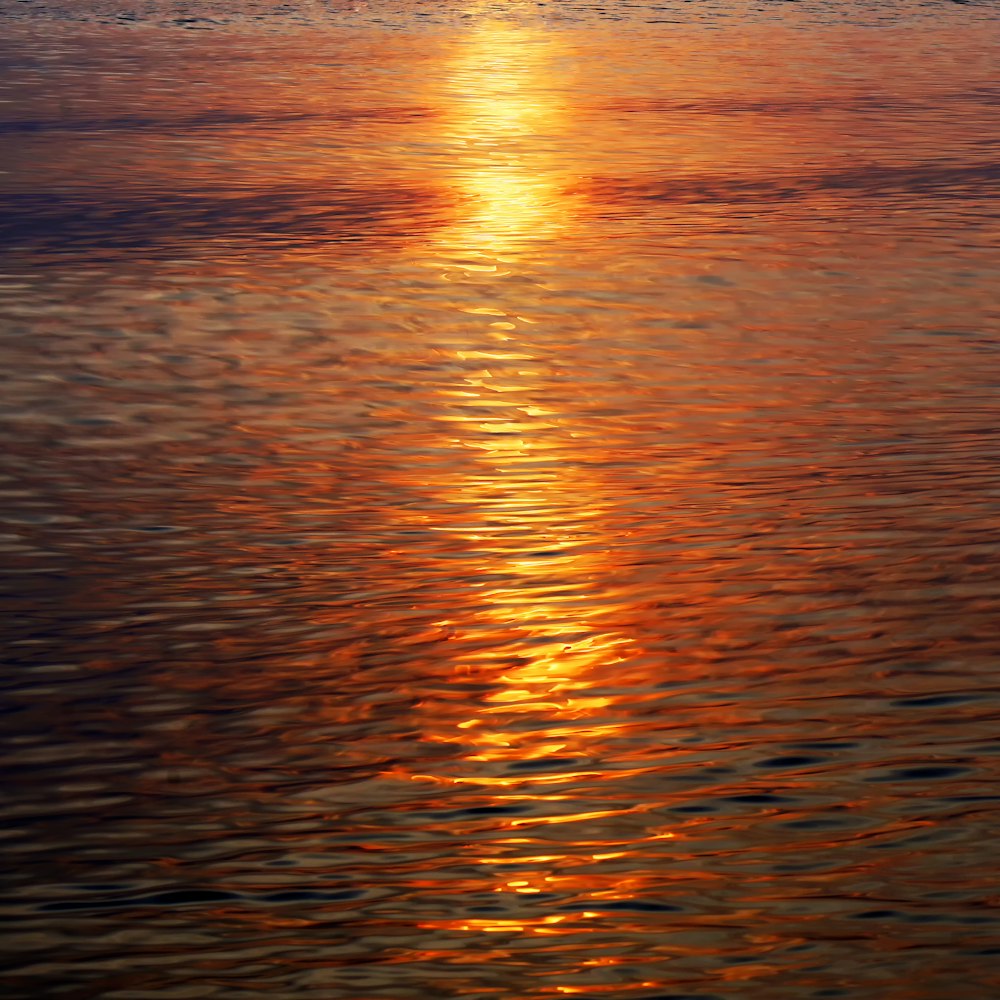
146, 123
790, 760
185, 897
203, 897
933, 701
925, 180
174, 897
141, 219
927, 772
623, 905
696, 807
820, 823
921, 918
310, 895
511, 810
796, 867
544, 763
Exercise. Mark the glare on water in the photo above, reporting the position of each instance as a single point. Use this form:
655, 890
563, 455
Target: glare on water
500, 500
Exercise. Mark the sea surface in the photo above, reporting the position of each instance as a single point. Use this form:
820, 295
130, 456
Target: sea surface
501, 500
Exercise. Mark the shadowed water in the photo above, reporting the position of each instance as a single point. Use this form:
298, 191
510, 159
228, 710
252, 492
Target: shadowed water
500, 501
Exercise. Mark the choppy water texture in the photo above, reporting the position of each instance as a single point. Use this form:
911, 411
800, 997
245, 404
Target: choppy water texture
501, 500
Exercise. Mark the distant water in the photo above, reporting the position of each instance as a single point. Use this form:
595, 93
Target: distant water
501, 500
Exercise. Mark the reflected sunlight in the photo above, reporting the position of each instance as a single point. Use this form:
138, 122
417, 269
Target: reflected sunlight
535, 521
505, 117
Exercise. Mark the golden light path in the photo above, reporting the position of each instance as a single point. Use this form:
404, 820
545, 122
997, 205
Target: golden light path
532, 502
535, 514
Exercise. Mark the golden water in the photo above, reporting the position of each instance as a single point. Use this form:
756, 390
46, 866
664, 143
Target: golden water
501, 500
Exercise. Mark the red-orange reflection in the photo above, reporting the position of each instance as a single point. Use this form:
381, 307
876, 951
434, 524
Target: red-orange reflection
535, 523
453, 501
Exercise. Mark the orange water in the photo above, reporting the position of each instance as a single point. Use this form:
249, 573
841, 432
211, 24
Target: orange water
501, 501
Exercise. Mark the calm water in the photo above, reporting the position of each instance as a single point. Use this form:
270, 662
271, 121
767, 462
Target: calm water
501, 500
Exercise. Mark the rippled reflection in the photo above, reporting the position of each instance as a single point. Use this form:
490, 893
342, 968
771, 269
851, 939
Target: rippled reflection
500, 501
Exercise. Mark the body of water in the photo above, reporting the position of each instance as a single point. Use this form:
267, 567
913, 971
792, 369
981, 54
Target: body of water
500, 500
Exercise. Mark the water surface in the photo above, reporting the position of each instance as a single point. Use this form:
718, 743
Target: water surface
500, 500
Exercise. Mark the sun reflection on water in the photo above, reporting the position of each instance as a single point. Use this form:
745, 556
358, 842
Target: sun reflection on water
505, 128
524, 499
538, 522
600, 583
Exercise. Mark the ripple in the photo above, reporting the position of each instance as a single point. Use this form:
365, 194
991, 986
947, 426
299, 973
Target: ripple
500, 500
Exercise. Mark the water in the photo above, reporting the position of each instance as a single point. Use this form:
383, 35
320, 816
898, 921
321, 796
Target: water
501, 500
